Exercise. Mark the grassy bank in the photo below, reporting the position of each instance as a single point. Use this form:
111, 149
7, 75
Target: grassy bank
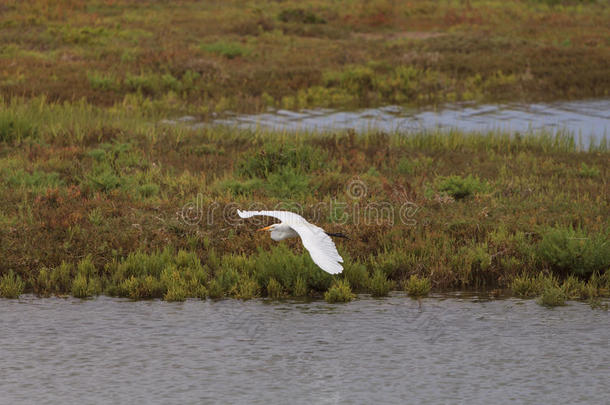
105, 200
202, 57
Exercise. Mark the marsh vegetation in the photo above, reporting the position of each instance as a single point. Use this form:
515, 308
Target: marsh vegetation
209, 57
96, 197
102, 200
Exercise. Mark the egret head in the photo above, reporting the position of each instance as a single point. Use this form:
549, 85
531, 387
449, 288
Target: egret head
269, 228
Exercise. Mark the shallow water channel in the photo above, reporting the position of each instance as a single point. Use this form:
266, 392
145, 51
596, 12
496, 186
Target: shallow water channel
588, 119
449, 349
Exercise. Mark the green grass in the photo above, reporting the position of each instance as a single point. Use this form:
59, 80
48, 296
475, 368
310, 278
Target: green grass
531, 286
357, 275
569, 250
340, 291
103, 81
249, 288
460, 187
588, 171
15, 127
416, 286
379, 284
552, 292
11, 285
300, 288
175, 284
274, 289
86, 283
552, 297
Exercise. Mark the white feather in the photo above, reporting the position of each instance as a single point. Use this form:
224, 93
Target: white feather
320, 246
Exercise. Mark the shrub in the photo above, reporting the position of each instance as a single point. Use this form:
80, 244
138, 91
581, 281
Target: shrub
302, 159
227, 279
472, 264
79, 286
37, 180
215, 290
379, 284
42, 284
527, 286
286, 267
299, 15
417, 287
229, 50
169, 82
98, 154
603, 281
148, 190
138, 288
394, 263
552, 297
103, 81
149, 287
104, 180
288, 184
242, 188
460, 187
86, 283
15, 127
575, 288
11, 285
588, 171
300, 287
127, 288
61, 278
406, 166
145, 83
357, 275
248, 288
96, 216
524, 286
572, 251
196, 289
175, 293
357, 80
86, 267
340, 291
176, 288
140, 264
274, 289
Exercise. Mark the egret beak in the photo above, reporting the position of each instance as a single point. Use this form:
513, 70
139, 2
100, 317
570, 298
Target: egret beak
265, 228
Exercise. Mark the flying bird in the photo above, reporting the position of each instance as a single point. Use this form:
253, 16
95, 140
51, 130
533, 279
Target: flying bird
318, 242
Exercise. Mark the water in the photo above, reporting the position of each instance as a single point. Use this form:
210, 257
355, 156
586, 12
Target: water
453, 349
587, 118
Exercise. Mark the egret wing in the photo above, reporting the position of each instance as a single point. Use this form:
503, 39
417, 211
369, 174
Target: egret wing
320, 246
286, 217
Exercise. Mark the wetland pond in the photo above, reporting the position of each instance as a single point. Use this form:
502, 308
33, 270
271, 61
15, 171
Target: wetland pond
452, 348
589, 119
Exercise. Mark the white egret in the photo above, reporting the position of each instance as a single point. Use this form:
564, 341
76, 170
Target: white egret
318, 242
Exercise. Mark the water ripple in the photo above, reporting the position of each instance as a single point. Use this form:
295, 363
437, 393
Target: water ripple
460, 349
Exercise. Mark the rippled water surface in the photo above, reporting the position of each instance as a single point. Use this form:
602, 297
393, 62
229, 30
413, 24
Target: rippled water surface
587, 118
451, 349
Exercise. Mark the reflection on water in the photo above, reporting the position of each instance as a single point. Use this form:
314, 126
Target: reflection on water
451, 349
589, 118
